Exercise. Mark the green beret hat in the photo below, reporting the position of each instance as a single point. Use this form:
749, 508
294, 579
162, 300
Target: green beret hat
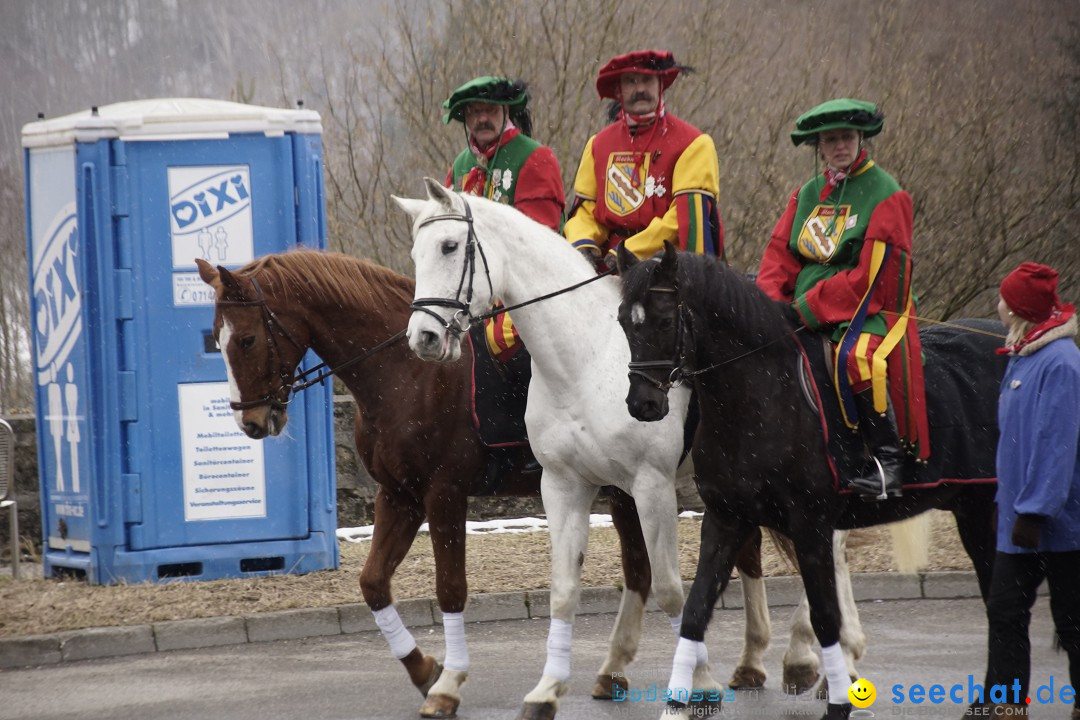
495, 90
835, 114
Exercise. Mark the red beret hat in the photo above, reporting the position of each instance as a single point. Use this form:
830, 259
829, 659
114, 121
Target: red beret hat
1030, 291
648, 62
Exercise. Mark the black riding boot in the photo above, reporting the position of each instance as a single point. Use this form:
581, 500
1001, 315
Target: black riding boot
879, 433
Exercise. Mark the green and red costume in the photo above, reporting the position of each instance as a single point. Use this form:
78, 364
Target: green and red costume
522, 173
515, 170
841, 253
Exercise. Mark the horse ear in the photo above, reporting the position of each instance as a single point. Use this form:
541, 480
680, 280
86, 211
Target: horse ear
441, 194
625, 259
229, 281
208, 273
669, 264
411, 207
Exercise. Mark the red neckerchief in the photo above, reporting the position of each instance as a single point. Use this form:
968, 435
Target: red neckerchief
634, 125
1060, 316
835, 177
474, 181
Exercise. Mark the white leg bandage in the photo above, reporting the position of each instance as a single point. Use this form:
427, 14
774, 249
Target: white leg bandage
836, 673
400, 639
558, 650
682, 670
676, 623
457, 652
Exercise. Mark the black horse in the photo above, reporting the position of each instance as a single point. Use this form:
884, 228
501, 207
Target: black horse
761, 454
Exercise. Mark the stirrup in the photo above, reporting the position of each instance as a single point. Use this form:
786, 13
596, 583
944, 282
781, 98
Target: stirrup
883, 492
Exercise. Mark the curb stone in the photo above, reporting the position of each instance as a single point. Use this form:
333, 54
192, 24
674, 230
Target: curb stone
93, 643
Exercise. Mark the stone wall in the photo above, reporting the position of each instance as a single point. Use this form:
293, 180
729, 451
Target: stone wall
355, 487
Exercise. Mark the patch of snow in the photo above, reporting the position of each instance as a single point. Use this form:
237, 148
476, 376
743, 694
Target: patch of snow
492, 527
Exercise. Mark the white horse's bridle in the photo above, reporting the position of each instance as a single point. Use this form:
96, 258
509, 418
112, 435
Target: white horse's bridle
462, 319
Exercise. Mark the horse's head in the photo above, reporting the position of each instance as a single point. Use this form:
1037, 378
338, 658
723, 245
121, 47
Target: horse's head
651, 317
260, 352
453, 279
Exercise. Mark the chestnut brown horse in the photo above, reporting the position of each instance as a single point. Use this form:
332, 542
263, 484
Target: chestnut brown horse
414, 431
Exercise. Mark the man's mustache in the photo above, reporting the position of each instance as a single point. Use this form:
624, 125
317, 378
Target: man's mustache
637, 97
483, 126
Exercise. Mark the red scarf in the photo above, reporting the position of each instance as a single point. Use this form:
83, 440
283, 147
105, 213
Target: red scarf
474, 183
634, 125
835, 177
1058, 317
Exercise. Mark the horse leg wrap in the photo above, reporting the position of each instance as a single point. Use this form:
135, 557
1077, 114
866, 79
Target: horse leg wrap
558, 650
457, 652
836, 673
401, 640
681, 684
676, 623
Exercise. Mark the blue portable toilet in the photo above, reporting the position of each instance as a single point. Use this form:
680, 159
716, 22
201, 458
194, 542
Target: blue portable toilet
144, 474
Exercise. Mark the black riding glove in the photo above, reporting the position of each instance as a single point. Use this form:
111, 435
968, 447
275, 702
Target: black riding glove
1026, 530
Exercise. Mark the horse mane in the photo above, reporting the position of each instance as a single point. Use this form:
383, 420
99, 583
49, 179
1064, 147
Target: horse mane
719, 293
319, 277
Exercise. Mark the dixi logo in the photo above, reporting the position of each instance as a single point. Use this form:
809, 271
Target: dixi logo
211, 199
57, 298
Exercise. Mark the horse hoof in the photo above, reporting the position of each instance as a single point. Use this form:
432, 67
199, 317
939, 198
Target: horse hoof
605, 686
746, 678
537, 711
837, 712
799, 678
440, 706
433, 675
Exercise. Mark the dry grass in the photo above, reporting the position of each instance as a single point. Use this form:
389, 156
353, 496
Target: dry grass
496, 563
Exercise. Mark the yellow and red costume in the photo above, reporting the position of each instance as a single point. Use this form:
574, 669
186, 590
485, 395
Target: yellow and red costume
646, 180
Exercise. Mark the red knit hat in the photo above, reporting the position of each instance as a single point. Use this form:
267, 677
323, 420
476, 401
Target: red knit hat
1030, 291
647, 62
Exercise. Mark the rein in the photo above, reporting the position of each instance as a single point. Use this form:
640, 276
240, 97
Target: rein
300, 381
677, 365
679, 374
463, 319
292, 383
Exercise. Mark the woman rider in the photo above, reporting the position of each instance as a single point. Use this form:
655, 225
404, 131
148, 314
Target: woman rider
841, 254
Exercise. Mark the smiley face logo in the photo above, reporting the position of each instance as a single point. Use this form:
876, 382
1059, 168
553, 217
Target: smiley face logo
862, 693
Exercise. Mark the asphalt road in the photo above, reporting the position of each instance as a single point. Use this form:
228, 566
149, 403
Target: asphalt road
344, 677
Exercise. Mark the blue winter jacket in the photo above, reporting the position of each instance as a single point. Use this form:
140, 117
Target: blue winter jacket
1038, 455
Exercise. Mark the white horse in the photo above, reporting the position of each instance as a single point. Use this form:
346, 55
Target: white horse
467, 256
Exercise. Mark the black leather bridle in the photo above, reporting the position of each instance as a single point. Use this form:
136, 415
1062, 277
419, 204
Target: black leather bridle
463, 319
673, 367
280, 398
676, 368
460, 321
292, 382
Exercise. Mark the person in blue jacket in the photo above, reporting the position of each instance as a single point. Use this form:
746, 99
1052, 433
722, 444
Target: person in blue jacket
1038, 493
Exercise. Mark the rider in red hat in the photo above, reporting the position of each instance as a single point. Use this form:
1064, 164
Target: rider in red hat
649, 176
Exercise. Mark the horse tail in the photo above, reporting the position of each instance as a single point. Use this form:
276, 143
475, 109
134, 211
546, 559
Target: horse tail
785, 547
911, 543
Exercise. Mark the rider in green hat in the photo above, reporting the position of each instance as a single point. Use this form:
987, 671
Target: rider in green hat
841, 254
502, 162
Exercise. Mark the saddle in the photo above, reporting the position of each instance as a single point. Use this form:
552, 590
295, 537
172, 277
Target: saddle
962, 375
